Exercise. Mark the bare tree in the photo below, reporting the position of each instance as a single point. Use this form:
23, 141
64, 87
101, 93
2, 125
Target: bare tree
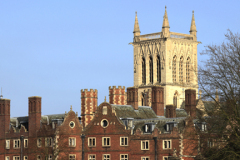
219, 80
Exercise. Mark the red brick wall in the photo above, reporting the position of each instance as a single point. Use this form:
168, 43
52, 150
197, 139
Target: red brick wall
158, 100
117, 95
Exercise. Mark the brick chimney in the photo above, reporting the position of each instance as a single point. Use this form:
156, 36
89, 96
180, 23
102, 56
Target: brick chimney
88, 105
4, 116
132, 97
34, 115
158, 100
170, 111
117, 95
190, 102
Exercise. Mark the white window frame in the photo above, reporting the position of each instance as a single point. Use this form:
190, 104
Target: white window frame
165, 157
25, 158
48, 142
169, 144
39, 142
90, 142
39, 157
145, 145
145, 158
107, 158
7, 144
18, 145
104, 110
92, 158
7, 158
103, 141
123, 158
71, 158
123, 143
72, 141
25, 143
16, 157
49, 157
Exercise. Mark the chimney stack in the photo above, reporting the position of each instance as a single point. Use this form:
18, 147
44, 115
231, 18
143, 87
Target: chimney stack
190, 102
158, 100
170, 111
132, 97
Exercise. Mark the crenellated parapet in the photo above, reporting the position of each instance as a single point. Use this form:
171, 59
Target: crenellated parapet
117, 95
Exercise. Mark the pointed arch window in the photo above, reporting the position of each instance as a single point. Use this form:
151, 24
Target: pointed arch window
151, 70
174, 77
158, 69
181, 70
143, 71
188, 70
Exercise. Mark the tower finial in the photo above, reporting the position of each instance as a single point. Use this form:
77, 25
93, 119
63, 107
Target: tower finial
71, 108
136, 30
165, 26
193, 29
105, 99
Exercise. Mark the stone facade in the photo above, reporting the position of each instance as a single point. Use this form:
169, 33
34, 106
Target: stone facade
168, 59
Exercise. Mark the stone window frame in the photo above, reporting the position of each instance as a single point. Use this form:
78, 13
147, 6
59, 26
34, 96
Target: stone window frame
25, 143
103, 141
72, 158
91, 141
165, 157
169, 144
16, 146
7, 157
123, 158
39, 142
72, 141
181, 68
25, 158
145, 145
8, 144
48, 142
124, 141
106, 158
39, 157
188, 74
50, 157
16, 157
93, 157
104, 110
103, 124
145, 158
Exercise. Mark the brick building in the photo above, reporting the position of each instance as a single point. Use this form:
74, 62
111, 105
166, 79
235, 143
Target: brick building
148, 122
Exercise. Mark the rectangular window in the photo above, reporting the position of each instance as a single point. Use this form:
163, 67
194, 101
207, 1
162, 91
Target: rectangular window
91, 157
165, 158
123, 156
145, 158
48, 142
16, 143
7, 158
106, 141
25, 143
50, 157
145, 145
123, 141
91, 142
72, 142
106, 156
39, 142
16, 157
72, 157
25, 157
7, 144
38, 157
167, 144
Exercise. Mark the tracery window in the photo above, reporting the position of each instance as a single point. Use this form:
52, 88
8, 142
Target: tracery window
174, 77
188, 70
181, 70
175, 99
151, 70
158, 69
143, 71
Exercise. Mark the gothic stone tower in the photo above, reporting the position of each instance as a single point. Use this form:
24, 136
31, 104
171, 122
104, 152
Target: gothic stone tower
166, 59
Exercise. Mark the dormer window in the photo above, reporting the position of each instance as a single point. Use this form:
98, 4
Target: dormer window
170, 125
149, 127
204, 127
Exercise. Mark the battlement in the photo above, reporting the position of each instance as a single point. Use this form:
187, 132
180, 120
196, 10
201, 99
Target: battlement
91, 90
114, 87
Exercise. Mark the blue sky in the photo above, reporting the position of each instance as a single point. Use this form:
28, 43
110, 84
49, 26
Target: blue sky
53, 49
